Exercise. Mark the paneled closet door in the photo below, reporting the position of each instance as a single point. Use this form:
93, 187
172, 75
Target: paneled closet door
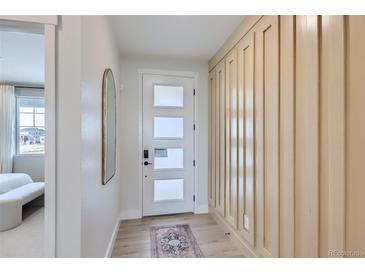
246, 144
231, 138
220, 138
267, 135
212, 144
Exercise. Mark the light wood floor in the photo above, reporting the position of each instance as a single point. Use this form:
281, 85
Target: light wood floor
133, 239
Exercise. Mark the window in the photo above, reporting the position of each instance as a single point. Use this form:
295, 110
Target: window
30, 125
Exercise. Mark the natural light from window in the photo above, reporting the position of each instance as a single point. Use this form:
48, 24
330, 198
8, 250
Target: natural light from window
30, 121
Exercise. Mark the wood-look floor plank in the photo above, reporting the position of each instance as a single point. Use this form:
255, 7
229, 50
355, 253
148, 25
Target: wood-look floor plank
133, 238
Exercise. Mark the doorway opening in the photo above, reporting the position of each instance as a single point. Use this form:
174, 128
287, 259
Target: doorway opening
27, 137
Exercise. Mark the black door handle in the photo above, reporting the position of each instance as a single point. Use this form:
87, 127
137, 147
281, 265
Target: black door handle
146, 163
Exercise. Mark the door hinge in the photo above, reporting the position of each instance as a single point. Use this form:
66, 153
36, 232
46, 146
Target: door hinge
193, 126
193, 162
193, 198
194, 91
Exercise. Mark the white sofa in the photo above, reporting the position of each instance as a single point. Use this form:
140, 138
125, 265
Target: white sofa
16, 189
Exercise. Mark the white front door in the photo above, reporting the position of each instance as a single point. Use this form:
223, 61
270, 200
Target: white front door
168, 144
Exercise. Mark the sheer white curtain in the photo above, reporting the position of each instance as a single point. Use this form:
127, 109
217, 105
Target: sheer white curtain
7, 128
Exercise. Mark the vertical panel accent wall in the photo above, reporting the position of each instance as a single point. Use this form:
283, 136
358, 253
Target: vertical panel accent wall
228, 169
287, 124
212, 144
221, 95
246, 156
289, 128
307, 137
267, 138
232, 184
217, 143
332, 134
355, 134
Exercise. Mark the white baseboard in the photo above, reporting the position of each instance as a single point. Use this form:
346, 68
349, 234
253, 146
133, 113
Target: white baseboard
201, 209
130, 214
109, 249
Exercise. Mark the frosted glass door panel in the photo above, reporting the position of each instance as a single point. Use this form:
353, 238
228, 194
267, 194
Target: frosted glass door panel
168, 127
168, 96
171, 189
169, 158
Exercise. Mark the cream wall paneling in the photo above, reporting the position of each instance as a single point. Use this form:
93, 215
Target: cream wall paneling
212, 150
294, 135
267, 135
220, 138
287, 117
246, 25
216, 140
232, 138
227, 143
246, 144
307, 137
355, 134
332, 135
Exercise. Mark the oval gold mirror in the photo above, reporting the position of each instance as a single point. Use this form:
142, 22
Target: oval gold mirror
108, 127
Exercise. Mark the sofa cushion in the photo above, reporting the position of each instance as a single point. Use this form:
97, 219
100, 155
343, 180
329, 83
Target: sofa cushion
10, 181
25, 193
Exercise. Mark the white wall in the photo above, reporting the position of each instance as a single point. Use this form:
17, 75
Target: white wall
32, 164
129, 164
100, 203
86, 211
68, 161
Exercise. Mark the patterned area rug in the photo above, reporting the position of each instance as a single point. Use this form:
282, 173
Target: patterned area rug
176, 241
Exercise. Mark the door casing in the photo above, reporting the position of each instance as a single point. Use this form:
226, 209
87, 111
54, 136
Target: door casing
49, 25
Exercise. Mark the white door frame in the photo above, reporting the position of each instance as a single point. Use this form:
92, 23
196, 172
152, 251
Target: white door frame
49, 23
188, 74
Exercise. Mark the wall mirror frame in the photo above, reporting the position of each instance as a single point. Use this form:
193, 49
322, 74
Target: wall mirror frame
108, 127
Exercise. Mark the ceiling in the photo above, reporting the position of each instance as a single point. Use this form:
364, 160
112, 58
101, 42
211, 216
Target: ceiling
184, 37
21, 57
188, 37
